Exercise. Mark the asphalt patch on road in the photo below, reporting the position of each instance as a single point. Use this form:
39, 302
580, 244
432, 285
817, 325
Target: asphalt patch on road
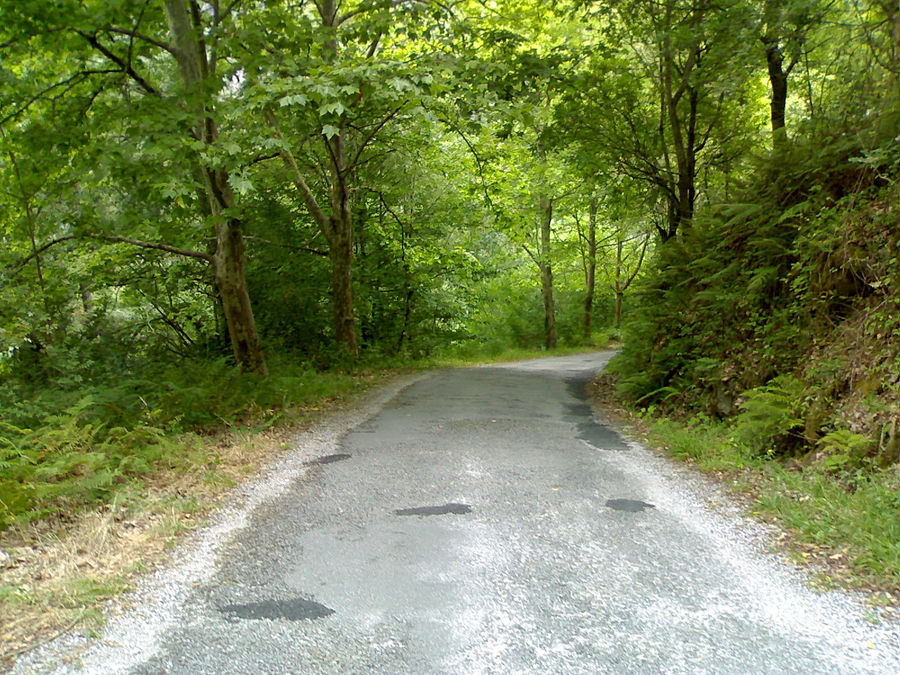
577, 411
629, 505
577, 386
294, 609
600, 436
457, 509
327, 459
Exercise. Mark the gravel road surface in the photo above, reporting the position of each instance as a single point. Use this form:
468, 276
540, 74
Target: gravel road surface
479, 520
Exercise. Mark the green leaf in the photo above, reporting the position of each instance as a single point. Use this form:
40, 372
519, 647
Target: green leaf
241, 183
292, 99
334, 107
329, 131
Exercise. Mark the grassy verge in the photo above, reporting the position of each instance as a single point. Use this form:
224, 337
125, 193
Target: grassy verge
99, 481
846, 525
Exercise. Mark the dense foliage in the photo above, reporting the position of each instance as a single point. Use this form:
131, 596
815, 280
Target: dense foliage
197, 194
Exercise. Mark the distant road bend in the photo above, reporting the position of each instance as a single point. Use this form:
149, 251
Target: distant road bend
481, 520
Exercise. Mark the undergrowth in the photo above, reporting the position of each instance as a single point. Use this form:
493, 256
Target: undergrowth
79, 443
784, 309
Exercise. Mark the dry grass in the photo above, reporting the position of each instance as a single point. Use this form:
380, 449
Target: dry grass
55, 577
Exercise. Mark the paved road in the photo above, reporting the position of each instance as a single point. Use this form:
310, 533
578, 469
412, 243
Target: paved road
483, 521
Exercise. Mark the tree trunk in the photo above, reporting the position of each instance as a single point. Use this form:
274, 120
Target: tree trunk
407, 314
894, 17
340, 234
617, 280
590, 270
340, 239
550, 338
232, 285
228, 259
778, 80
340, 252
675, 83
622, 277
892, 9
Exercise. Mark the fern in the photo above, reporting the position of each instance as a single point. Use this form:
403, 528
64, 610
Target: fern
771, 413
844, 450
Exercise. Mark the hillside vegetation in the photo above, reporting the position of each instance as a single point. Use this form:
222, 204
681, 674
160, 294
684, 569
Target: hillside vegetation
782, 308
766, 345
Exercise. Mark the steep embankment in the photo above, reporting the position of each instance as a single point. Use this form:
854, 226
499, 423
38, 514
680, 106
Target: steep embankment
774, 325
783, 307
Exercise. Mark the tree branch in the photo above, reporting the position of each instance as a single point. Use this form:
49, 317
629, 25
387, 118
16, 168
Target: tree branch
640, 262
299, 181
18, 266
69, 82
479, 163
124, 65
144, 38
371, 135
224, 15
200, 255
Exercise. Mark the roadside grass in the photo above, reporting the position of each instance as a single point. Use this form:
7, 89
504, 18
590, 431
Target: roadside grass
57, 575
99, 481
847, 525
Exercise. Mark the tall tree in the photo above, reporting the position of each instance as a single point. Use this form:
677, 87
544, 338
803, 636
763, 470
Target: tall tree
587, 239
328, 99
112, 67
198, 72
671, 62
783, 31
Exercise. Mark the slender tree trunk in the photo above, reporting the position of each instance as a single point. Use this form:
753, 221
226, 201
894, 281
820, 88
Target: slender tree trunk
892, 9
340, 234
31, 223
228, 259
550, 337
407, 314
894, 16
622, 277
590, 270
683, 129
340, 250
617, 280
778, 80
408, 291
